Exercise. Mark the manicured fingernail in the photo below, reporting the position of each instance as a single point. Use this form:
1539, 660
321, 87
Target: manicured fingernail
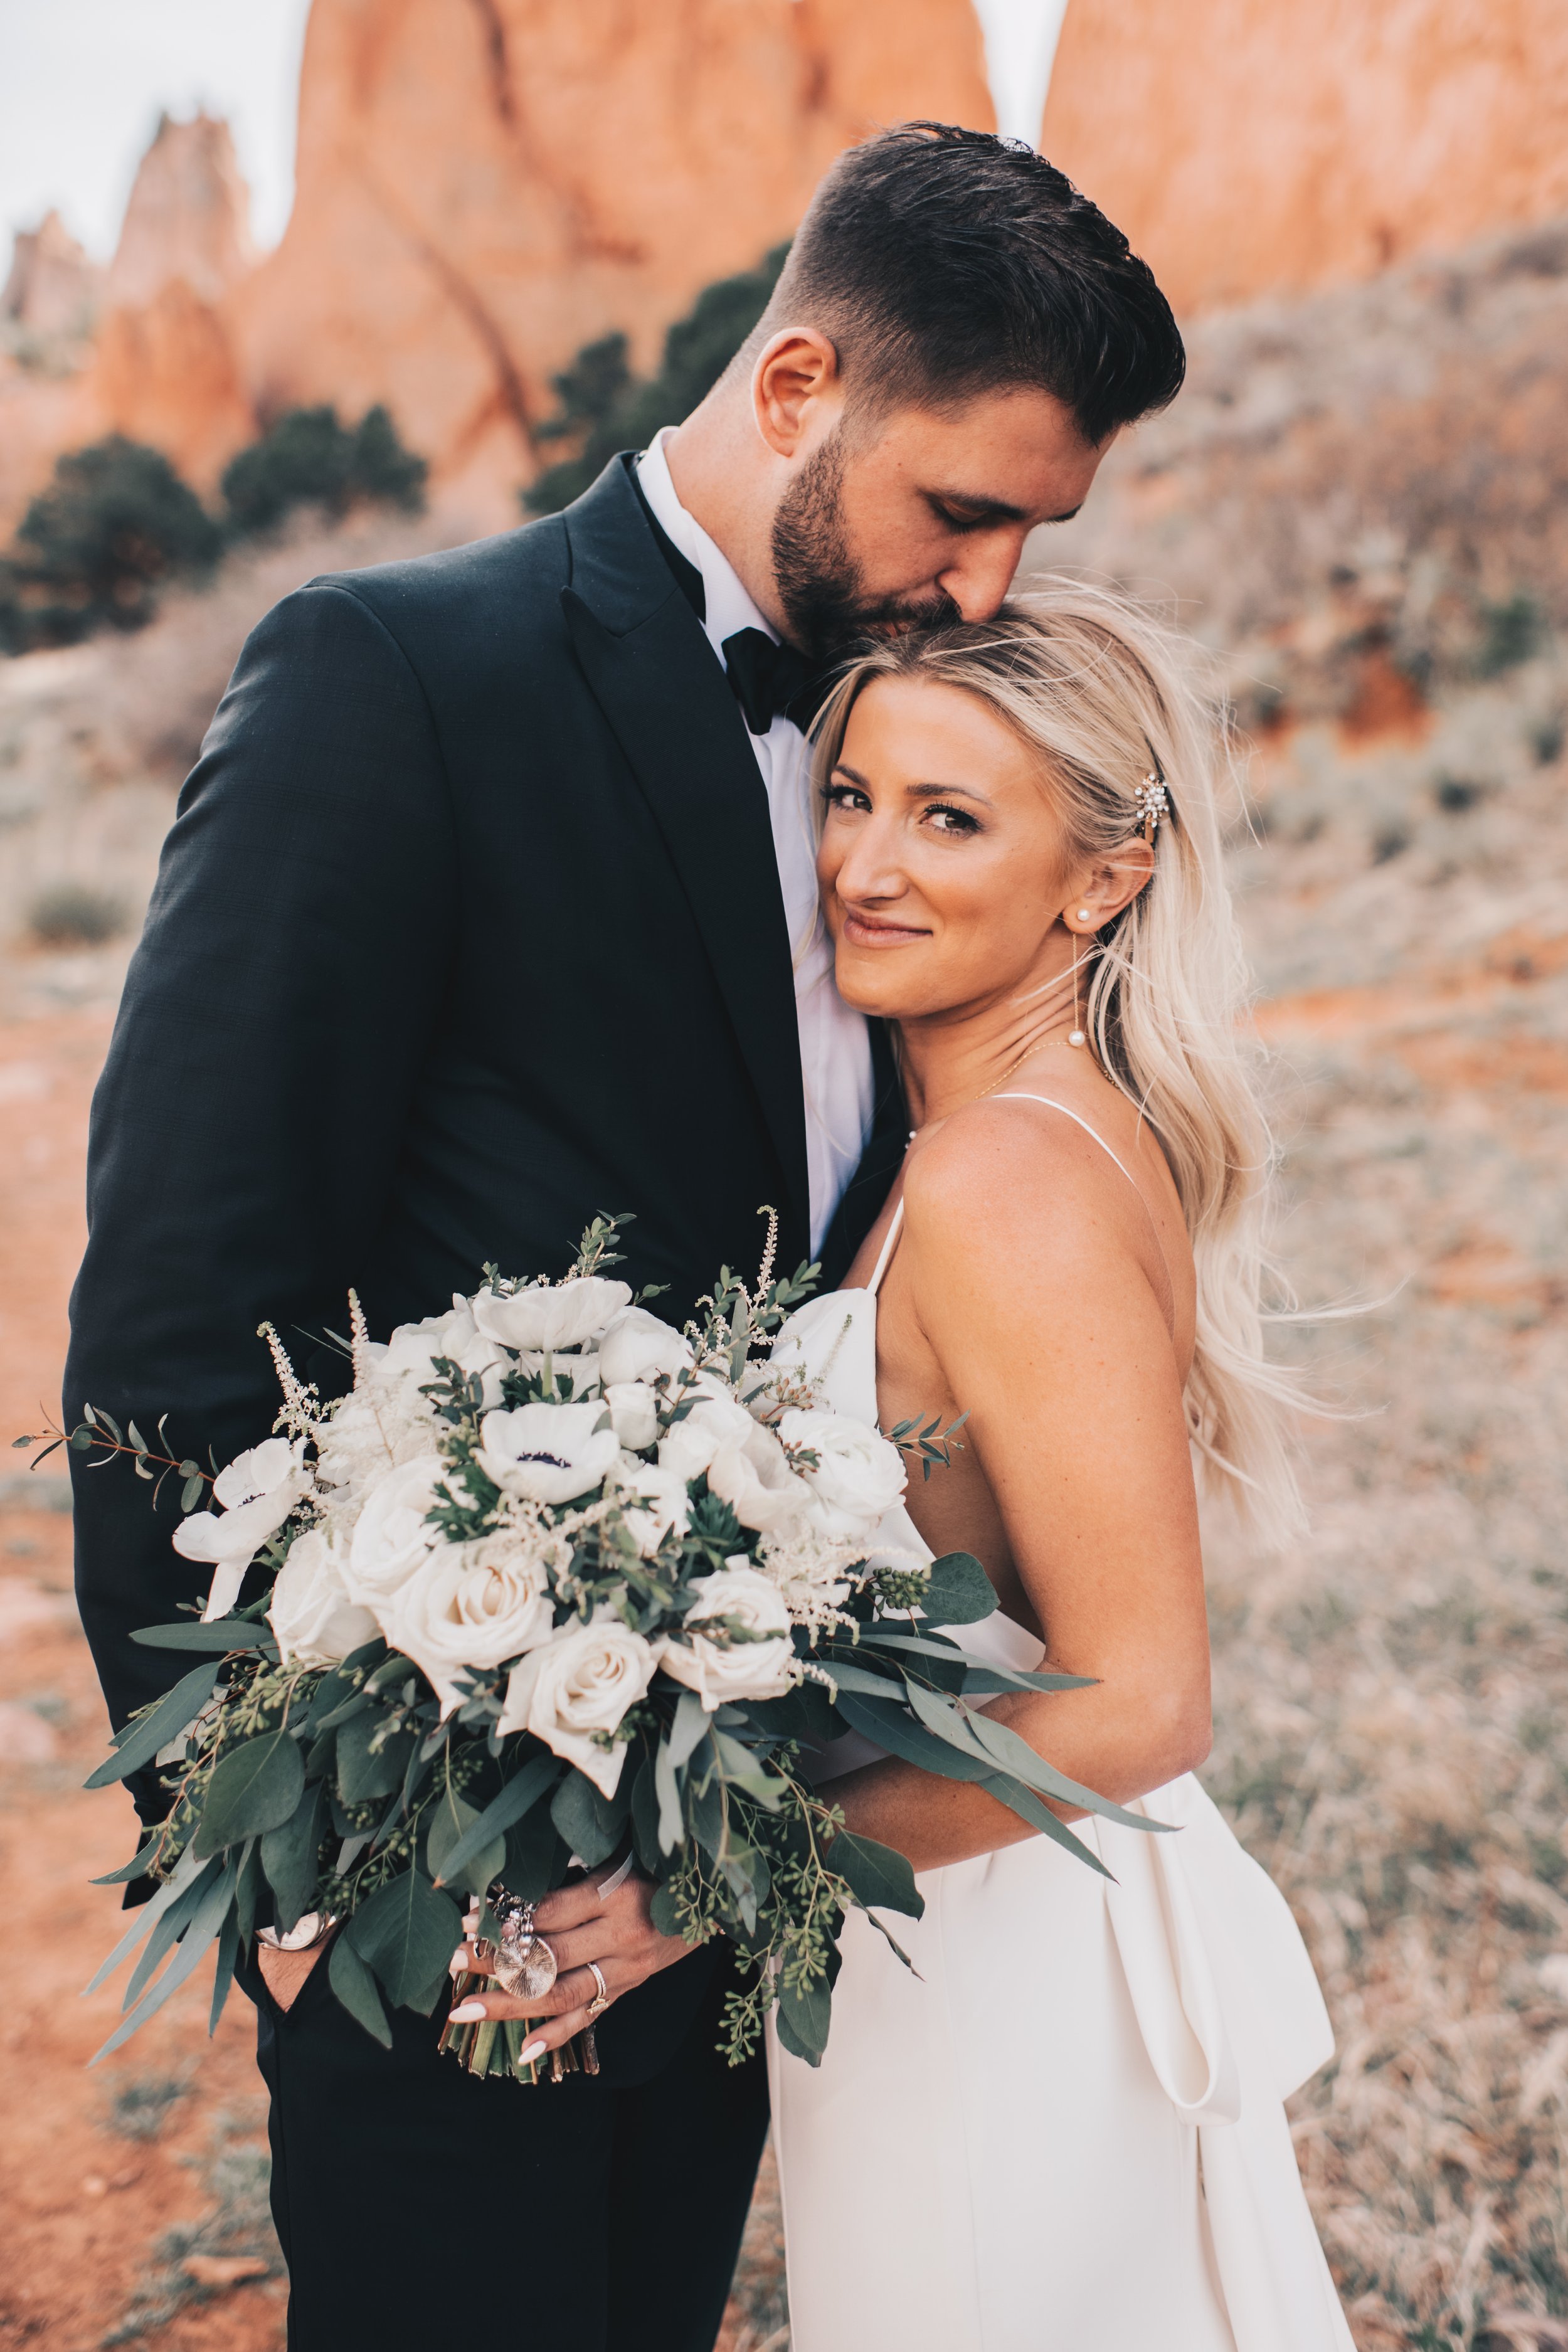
530, 2050
467, 2012
458, 1965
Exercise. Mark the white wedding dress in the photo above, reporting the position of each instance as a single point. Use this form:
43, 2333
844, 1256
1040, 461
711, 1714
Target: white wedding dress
1066, 2133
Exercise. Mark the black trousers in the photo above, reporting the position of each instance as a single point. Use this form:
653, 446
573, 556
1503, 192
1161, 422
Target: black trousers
417, 2204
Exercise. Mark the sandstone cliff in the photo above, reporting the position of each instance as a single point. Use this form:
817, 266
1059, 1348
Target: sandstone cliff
1248, 146
53, 291
484, 185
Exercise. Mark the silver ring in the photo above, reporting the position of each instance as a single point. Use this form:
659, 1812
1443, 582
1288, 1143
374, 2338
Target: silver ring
601, 2000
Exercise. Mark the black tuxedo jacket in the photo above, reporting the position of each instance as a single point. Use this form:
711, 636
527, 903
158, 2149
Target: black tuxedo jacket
469, 927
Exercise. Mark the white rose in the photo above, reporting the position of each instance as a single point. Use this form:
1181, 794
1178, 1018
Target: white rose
654, 1503
713, 1422
581, 1366
858, 1476
638, 1347
756, 1481
545, 1318
468, 1605
581, 1682
746, 1653
260, 1488
553, 1453
311, 1613
391, 1538
634, 1410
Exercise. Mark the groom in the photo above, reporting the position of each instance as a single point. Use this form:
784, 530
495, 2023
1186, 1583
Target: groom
490, 904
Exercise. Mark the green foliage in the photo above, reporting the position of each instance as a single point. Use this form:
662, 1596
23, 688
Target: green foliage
603, 407
1510, 633
70, 915
115, 523
311, 459
254, 1788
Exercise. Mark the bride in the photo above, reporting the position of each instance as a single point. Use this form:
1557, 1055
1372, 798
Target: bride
1064, 2132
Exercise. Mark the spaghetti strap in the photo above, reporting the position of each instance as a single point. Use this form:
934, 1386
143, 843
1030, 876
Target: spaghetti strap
888, 1246
1051, 1104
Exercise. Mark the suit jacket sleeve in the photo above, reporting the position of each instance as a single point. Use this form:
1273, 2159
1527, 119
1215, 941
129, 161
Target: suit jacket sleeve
247, 1124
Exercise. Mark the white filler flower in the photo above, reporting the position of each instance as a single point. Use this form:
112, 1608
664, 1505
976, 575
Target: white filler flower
736, 1644
859, 1476
258, 1490
580, 1683
316, 1623
469, 1605
545, 1318
391, 1537
551, 1452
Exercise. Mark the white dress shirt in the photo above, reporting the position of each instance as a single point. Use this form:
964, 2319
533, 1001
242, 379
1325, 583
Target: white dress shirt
835, 1049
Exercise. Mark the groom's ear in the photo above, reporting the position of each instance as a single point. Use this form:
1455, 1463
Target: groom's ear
797, 391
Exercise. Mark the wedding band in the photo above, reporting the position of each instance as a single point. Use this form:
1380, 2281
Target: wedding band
601, 2000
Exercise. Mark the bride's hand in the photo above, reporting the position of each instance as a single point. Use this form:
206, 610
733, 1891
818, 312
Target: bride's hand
581, 1923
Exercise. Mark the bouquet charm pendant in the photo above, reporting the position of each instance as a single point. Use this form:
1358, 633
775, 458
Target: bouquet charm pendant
525, 1964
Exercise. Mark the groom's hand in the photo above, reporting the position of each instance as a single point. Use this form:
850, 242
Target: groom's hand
612, 1927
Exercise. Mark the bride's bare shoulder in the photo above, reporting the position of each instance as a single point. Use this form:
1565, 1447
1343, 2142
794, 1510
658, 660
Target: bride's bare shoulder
996, 1179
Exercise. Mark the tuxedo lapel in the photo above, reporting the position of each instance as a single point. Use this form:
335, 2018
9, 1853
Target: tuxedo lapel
655, 677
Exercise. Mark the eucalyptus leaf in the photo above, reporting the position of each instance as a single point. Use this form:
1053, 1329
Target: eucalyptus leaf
590, 1822
355, 1987
959, 1592
253, 1788
140, 1742
803, 2020
288, 1855
876, 1874
197, 1942
365, 1770
1016, 1755
887, 1721
449, 1819
224, 1634
522, 1792
227, 1953
407, 1933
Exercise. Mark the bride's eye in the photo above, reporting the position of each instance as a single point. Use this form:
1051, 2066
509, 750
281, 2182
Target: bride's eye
843, 796
943, 817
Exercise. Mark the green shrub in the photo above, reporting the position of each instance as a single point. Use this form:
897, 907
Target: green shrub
603, 407
115, 523
308, 457
67, 914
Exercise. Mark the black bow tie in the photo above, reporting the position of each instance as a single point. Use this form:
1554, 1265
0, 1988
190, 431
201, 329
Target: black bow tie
770, 681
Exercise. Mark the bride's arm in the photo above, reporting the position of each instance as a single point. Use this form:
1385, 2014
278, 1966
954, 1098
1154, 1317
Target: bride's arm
1029, 1262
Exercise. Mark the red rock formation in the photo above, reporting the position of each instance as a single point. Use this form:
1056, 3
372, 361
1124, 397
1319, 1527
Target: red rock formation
484, 185
53, 291
1247, 145
188, 217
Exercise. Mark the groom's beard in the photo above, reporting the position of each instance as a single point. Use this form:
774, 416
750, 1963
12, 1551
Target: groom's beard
817, 577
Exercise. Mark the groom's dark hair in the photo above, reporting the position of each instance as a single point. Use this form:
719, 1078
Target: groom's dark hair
945, 262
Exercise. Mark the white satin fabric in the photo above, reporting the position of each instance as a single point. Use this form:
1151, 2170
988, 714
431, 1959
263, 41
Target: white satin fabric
1064, 2134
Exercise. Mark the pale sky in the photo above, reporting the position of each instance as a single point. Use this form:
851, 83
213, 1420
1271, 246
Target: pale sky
82, 83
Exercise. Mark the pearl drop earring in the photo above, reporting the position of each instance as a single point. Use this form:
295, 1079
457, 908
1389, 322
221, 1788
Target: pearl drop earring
1075, 1034
1083, 914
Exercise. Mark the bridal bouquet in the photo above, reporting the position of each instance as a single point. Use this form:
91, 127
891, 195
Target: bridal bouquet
554, 1581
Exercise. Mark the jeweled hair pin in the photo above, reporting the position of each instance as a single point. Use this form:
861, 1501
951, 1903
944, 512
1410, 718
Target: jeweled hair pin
1152, 803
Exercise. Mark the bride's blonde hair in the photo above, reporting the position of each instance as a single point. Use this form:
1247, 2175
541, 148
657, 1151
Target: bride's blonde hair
1109, 698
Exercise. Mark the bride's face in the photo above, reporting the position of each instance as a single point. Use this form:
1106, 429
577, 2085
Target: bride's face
943, 865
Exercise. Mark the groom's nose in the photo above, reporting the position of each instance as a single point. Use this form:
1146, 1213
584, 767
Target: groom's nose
982, 572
